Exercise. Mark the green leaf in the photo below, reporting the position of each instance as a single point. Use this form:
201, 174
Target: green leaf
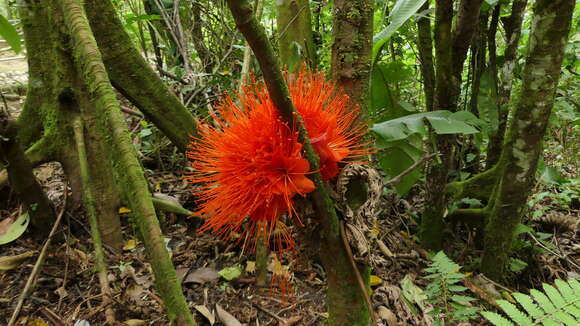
130, 19
15, 230
9, 33
397, 158
230, 273
514, 313
487, 100
496, 319
528, 304
551, 175
461, 298
402, 11
442, 121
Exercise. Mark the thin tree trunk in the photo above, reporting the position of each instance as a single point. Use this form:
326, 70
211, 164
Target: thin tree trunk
351, 50
523, 145
451, 46
425, 46
22, 179
294, 29
513, 28
142, 86
91, 67
346, 303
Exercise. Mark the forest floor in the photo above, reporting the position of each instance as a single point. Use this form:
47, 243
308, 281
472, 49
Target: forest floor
66, 292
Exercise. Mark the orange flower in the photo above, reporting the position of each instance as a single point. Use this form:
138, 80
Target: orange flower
248, 169
333, 124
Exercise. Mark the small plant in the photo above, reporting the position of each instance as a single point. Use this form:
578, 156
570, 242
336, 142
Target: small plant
445, 293
555, 306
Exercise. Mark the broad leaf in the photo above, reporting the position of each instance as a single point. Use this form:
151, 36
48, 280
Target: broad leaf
402, 11
14, 230
9, 33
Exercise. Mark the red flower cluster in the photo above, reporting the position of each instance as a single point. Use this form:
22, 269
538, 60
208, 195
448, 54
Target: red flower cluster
249, 167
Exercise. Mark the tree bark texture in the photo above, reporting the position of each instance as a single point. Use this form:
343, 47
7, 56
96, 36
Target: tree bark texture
22, 180
135, 79
513, 29
351, 50
88, 61
523, 144
294, 29
425, 47
451, 47
346, 303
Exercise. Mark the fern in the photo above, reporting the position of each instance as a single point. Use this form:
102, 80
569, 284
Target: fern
559, 305
445, 293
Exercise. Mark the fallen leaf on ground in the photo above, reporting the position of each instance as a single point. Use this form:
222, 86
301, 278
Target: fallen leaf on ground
11, 262
202, 275
206, 313
134, 322
225, 317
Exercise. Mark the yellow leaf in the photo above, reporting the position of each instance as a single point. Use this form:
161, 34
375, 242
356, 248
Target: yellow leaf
124, 210
37, 322
157, 187
375, 280
130, 245
250, 266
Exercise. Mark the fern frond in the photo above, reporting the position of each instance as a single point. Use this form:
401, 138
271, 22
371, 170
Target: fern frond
514, 313
531, 308
496, 319
555, 306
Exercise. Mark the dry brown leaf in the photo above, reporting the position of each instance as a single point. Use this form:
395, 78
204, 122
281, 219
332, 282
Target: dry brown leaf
202, 275
388, 316
225, 317
134, 322
206, 313
11, 262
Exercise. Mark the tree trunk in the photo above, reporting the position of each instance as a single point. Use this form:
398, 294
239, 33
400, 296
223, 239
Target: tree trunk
351, 50
67, 80
294, 29
523, 145
425, 46
451, 47
142, 86
513, 28
22, 179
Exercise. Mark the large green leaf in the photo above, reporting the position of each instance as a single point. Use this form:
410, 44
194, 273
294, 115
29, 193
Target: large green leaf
402, 11
395, 159
385, 104
9, 33
442, 122
487, 100
15, 230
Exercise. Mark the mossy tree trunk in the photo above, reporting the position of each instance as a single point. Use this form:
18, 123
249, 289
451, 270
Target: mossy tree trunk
523, 144
22, 179
513, 28
352, 30
68, 81
451, 45
346, 302
294, 30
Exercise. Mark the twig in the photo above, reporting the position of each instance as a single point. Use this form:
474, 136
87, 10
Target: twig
410, 169
38, 264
